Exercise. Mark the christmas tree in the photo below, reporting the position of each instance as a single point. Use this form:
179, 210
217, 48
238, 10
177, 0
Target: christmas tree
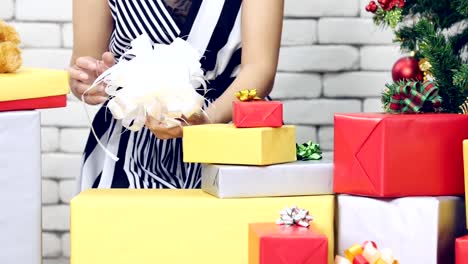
435, 32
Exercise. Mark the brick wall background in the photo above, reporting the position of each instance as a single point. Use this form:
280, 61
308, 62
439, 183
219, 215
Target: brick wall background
333, 59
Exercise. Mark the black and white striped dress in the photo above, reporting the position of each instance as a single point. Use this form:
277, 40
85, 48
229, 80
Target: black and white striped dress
213, 27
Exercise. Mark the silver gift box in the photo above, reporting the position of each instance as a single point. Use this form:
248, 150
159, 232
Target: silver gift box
289, 179
417, 229
20, 188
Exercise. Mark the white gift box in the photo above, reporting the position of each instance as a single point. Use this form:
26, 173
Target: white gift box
289, 179
417, 229
20, 188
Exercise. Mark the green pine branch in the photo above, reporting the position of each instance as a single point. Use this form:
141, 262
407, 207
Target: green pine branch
460, 78
440, 53
444, 13
461, 6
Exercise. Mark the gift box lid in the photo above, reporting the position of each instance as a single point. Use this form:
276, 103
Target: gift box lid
272, 230
30, 83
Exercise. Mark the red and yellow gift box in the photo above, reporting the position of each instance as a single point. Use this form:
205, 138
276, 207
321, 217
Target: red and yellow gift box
270, 243
390, 155
31, 88
250, 111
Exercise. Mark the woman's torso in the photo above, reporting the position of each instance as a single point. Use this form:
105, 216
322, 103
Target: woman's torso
213, 27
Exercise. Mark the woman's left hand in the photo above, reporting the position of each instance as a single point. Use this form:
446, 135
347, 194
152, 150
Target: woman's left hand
163, 132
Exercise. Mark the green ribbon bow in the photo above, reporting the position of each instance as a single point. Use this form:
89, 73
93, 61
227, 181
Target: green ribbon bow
308, 151
412, 97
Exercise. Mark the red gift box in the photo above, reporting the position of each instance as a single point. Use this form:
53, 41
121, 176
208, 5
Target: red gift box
35, 103
270, 243
257, 114
461, 250
385, 155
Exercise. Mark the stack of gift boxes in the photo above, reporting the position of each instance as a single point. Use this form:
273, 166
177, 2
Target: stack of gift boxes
249, 174
398, 180
20, 158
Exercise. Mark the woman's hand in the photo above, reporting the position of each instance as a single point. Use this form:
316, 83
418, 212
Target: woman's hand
163, 132
84, 72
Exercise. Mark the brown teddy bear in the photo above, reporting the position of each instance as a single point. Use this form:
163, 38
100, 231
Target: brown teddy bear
10, 54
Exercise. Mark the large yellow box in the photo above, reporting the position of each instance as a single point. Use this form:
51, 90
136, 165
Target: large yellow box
226, 144
29, 83
124, 226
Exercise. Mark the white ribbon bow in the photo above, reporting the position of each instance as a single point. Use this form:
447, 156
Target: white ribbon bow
294, 216
158, 81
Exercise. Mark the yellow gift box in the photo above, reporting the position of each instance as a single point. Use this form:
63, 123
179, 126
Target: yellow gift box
465, 165
226, 144
122, 226
29, 83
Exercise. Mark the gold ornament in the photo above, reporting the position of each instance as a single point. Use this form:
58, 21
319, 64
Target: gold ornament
425, 67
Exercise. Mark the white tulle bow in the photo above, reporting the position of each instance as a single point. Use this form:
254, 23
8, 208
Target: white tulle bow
153, 80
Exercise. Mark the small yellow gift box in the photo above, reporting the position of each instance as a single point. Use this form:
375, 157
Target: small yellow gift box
28, 83
122, 226
226, 144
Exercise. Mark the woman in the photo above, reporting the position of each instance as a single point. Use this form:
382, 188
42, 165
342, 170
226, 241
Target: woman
240, 42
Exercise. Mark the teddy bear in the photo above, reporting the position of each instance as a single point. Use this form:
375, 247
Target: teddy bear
10, 54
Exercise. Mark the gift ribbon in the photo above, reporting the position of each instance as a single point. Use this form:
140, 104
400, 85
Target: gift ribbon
366, 253
294, 216
413, 97
308, 151
136, 92
247, 95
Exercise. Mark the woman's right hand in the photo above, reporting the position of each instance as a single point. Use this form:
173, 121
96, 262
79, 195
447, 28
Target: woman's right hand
84, 72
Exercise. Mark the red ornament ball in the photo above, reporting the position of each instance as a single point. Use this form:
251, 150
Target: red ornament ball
407, 68
371, 7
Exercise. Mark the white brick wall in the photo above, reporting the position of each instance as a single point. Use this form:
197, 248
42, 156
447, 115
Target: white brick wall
333, 59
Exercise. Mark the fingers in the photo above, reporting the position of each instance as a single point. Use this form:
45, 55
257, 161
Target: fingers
80, 88
94, 100
86, 66
161, 131
107, 62
78, 74
196, 119
108, 59
87, 63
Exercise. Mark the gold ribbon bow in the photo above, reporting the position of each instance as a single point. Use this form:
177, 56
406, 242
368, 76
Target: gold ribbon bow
247, 95
369, 252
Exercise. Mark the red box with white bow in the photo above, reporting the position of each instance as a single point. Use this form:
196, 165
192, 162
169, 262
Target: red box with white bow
270, 243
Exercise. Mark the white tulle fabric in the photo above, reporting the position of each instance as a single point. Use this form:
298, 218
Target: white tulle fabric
158, 81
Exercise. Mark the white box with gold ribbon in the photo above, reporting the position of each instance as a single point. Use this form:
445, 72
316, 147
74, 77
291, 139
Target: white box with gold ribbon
20, 188
418, 229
